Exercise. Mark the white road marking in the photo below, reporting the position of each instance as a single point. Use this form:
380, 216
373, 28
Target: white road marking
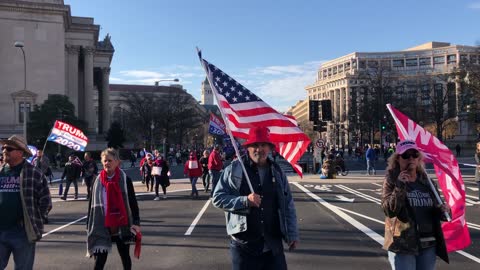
197, 218
345, 199
369, 232
473, 188
64, 226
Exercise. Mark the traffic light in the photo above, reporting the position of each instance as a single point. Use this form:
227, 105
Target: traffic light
313, 110
326, 110
384, 126
320, 126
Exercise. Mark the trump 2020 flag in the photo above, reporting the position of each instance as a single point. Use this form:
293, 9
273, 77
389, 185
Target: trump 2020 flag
449, 177
68, 135
242, 110
216, 126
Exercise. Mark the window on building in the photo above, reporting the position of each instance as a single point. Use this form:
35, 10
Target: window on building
340, 69
425, 61
439, 60
347, 66
329, 72
411, 62
385, 63
354, 63
334, 70
452, 59
372, 63
23, 107
463, 58
398, 63
473, 59
362, 64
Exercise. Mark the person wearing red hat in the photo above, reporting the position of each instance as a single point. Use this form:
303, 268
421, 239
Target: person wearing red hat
257, 221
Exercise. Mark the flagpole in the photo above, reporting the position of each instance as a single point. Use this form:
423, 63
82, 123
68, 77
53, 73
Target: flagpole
430, 182
226, 122
437, 196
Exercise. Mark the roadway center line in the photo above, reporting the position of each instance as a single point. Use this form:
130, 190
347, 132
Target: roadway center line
378, 238
197, 218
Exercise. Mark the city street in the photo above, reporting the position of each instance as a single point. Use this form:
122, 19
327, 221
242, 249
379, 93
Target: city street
340, 222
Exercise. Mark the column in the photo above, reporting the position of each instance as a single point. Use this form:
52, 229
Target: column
105, 99
342, 104
72, 77
88, 84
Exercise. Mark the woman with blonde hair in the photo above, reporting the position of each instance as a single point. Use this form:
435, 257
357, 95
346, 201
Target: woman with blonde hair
413, 233
113, 213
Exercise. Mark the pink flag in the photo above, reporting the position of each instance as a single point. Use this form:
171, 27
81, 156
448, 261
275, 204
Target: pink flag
449, 177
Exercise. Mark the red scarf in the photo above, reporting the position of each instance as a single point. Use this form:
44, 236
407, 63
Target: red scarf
116, 215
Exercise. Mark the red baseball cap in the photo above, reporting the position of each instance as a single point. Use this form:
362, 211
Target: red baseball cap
258, 135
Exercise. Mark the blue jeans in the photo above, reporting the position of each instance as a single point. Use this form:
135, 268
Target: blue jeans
370, 166
214, 175
423, 261
193, 181
244, 260
15, 241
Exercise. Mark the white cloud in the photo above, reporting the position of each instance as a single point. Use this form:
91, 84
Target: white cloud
474, 5
280, 86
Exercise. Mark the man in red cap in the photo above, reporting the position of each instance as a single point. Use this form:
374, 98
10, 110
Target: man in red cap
257, 221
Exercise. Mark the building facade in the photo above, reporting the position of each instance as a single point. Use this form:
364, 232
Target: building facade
338, 80
62, 56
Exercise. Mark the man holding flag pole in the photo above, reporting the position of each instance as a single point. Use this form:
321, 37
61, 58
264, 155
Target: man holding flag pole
253, 190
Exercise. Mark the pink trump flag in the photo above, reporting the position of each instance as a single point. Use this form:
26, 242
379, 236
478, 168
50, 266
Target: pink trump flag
448, 173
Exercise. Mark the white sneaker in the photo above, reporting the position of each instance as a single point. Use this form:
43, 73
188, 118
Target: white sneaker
156, 198
164, 197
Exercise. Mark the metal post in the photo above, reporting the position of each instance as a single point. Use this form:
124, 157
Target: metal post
20, 45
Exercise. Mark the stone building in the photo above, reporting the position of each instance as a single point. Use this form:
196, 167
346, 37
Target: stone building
63, 55
338, 79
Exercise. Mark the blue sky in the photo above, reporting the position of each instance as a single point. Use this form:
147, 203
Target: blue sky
273, 47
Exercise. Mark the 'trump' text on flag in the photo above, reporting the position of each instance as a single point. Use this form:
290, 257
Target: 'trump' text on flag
243, 110
68, 135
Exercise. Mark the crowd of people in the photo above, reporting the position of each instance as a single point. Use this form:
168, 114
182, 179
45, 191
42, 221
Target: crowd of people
256, 198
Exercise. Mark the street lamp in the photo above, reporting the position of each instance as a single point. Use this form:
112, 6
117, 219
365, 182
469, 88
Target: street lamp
20, 45
152, 125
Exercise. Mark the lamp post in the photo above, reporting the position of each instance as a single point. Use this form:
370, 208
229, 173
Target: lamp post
19, 44
152, 125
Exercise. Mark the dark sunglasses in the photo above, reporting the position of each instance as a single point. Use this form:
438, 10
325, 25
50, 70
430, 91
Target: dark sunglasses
10, 149
408, 155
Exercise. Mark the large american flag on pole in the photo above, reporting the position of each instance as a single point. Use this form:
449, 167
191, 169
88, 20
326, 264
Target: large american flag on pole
243, 110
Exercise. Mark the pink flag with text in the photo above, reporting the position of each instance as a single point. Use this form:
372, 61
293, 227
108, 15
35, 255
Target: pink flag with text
448, 173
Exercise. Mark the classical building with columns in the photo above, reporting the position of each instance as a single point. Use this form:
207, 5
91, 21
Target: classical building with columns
63, 55
338, 80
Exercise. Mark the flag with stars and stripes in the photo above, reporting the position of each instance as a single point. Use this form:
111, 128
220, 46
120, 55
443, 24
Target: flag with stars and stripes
243, 110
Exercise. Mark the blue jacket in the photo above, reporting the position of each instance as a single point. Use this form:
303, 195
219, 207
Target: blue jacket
226, 196
370, 154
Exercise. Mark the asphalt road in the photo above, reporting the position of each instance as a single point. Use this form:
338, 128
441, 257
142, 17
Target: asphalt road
340, 222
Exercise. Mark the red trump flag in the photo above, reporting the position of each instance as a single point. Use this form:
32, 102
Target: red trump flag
448, 173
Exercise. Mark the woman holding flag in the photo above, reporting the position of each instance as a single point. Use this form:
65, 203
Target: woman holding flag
413, 234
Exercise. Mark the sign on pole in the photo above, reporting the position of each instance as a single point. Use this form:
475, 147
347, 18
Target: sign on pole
319, 144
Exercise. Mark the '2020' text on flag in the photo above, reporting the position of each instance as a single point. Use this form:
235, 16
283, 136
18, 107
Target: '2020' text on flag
449, 177
68, 135
243, 110
216, 126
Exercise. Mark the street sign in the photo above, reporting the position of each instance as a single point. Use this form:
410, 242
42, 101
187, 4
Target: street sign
319, 143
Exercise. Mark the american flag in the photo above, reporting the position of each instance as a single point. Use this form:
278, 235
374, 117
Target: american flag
243, 110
